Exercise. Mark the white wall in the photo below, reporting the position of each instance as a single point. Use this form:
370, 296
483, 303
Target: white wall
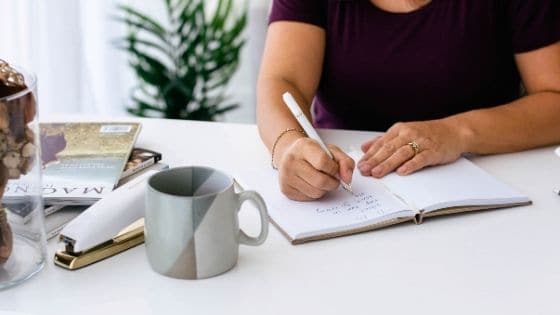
67, 43
244, 84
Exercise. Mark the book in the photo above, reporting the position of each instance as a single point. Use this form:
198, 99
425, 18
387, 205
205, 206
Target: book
376, 203
57, 216
55, 222
139, 160
81, 161
154, 167
22, 212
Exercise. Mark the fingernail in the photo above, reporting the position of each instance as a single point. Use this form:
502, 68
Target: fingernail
350, 173
377, 171
403, 170
364, 167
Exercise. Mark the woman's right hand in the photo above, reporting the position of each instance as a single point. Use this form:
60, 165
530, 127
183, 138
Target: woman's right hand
308, 173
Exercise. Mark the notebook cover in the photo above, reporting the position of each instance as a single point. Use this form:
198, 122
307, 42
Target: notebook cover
456, 210
325, 236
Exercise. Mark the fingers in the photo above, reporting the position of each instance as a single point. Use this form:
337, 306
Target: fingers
380, 152
317, 179
367, 145
438, 143
307, 189
294, 194
310, 183
391, 151
307, 172
377, 145
346, 164
402, 155
421, 160
319, 159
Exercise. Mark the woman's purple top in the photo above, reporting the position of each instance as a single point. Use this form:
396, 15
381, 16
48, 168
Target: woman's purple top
447, 57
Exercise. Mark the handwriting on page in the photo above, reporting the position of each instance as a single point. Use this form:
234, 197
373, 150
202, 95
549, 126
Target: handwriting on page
361, 206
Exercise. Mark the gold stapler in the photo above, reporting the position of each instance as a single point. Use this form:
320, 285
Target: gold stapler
111, 225
129, 237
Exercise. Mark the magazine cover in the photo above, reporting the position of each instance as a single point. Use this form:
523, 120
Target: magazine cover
81, 161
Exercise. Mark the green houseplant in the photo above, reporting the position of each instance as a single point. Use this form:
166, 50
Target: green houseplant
183, 64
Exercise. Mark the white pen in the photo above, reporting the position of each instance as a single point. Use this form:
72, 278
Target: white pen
308, 128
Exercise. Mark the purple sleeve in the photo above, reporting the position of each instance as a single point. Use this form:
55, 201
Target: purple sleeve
535, 24
305, 11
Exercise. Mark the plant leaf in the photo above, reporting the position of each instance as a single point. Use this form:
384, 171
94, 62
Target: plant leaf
147, 21
183, 69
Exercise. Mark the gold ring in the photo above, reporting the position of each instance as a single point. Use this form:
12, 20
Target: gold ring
415, 147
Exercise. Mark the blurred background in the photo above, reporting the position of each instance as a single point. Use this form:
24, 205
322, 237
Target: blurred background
68, 44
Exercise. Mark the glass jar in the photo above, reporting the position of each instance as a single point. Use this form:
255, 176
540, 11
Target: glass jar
22, 228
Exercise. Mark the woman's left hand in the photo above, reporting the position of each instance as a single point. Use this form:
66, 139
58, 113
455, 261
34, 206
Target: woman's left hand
408, 147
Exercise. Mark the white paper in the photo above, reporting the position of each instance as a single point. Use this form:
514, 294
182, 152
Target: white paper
370, 203
453, 185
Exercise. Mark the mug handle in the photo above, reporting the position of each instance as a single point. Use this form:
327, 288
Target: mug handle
259, 202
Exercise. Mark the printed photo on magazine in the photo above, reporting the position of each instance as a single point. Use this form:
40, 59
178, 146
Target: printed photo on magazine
81, 161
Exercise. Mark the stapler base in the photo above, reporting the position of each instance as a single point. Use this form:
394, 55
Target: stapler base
73, 261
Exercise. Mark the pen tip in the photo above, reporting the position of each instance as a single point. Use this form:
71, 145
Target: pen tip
347, 187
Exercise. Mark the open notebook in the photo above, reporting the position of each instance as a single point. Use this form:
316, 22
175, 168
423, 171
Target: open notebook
447, 189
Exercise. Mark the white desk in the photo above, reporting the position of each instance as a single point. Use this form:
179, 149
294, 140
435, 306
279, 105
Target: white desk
495, 262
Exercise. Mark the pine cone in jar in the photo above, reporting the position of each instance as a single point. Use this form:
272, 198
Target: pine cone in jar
17, 146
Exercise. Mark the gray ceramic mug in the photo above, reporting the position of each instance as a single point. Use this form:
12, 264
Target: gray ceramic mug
192, 229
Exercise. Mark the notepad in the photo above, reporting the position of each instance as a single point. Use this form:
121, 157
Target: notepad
447, 189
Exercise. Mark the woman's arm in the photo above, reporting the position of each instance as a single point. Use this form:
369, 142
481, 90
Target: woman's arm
293, 61
531, 121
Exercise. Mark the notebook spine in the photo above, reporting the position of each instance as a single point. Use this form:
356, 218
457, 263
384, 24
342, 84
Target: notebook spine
419, 217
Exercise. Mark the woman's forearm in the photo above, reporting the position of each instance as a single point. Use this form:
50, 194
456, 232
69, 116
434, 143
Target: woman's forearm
273, 117
292, 62
529, 122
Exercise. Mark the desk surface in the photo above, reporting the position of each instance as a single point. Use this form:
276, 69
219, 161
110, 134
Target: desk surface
495, 262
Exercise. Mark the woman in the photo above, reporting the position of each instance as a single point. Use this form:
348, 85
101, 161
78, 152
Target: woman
442, 76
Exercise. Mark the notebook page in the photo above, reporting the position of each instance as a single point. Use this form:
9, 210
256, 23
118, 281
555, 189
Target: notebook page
461, 183
339, 211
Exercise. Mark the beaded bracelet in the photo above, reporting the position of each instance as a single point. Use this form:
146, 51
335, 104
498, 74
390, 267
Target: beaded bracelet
278, 139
